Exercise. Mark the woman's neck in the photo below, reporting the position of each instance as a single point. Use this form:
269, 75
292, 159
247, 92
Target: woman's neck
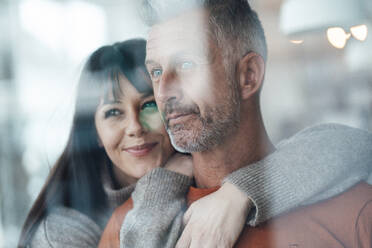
121, 180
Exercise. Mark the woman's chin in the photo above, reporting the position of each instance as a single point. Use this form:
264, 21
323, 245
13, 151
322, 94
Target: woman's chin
133, 168
143, 171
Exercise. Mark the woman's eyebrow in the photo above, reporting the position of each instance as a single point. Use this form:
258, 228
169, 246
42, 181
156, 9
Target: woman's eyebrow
147, 94
111, 102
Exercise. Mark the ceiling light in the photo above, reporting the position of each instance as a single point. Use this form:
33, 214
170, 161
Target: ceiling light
337, 37
297, 42
359, 32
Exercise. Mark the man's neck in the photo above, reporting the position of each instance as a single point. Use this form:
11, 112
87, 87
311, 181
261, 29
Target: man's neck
247, 145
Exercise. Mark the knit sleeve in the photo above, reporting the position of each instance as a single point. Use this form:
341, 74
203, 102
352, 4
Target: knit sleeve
313, 165
65, 227
156, 218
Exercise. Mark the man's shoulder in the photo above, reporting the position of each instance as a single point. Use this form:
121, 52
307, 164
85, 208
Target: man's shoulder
329, 130
332, 223
330, 127
347, 206
326, 139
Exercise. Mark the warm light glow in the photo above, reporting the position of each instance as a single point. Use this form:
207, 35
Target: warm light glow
75, 27
359, 32
337, 37
297, 42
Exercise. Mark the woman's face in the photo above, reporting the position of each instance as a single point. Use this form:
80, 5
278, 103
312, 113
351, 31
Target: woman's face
132, 133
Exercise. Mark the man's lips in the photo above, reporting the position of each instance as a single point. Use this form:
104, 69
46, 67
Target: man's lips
178, 117
140, 150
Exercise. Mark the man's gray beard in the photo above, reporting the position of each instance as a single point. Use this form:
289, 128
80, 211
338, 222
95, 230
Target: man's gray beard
216, 127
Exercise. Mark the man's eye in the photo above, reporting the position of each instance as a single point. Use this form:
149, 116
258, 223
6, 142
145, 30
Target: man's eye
112, 112
155, 73
187, 65
149, 105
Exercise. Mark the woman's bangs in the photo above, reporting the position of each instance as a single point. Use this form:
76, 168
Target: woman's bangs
139, 78
112, 90
111, 85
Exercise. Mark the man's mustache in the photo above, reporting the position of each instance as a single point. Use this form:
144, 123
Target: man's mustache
176, 108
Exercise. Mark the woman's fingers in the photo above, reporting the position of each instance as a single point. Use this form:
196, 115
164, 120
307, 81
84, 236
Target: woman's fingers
197, 234
215, 220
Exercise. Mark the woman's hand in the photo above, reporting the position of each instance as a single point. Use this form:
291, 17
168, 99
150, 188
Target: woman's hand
180, 163
216, 220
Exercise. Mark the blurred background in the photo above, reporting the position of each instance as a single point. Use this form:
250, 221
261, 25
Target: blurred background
319, 70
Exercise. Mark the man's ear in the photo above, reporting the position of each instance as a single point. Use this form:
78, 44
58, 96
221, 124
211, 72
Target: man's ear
251, 71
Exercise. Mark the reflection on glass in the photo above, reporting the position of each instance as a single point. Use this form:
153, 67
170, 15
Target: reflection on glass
297, 42
337, 37
359, 32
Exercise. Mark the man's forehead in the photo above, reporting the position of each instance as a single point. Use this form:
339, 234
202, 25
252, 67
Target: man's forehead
184, 31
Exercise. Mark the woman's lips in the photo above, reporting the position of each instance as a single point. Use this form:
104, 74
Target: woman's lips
140, 150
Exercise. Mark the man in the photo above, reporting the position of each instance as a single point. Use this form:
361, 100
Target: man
209, 97
207, 65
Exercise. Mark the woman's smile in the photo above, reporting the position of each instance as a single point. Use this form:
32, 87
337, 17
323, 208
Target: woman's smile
141, 150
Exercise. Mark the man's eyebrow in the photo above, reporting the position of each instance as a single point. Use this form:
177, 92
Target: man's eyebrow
148, 62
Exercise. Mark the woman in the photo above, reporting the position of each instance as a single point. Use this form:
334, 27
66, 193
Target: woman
117, 138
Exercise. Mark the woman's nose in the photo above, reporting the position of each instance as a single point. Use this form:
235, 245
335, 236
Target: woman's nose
134, 128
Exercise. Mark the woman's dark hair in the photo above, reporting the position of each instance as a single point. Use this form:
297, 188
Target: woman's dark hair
75, 179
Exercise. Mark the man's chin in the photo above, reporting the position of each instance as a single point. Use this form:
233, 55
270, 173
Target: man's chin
185, 142
179, 140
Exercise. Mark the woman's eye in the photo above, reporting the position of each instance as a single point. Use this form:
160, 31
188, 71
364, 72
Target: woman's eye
155, 73
112, 112
187, 65
149, 105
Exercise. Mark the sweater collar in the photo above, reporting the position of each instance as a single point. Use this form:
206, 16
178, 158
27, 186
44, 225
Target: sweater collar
115, 196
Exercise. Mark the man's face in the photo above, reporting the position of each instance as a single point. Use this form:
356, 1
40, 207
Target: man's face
195, 93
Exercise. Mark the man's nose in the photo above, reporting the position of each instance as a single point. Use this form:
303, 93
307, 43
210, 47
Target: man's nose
169, 87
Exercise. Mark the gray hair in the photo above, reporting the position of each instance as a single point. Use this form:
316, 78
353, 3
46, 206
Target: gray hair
234, 25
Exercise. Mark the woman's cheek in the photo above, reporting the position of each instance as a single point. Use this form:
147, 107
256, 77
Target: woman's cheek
111, 136
150, 120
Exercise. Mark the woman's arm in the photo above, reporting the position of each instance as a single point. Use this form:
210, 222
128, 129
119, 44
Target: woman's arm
158, 206
157, 217
65, 227
313, 165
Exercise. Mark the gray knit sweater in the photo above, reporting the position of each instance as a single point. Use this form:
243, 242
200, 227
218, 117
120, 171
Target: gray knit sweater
313, 165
